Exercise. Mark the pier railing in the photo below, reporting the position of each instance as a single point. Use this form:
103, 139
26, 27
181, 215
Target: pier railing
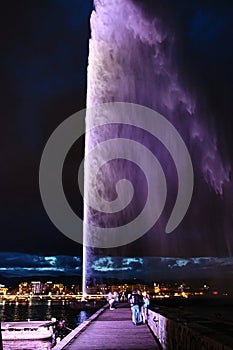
173, 332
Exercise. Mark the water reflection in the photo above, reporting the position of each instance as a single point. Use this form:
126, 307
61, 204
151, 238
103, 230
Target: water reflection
37, 311
81, 317
48, 312
16, 310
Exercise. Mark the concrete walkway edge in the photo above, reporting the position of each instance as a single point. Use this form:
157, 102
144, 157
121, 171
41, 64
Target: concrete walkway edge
76, 332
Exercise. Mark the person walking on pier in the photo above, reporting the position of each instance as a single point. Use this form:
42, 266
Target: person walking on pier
145, 307
136, 312
140, 305
111, 301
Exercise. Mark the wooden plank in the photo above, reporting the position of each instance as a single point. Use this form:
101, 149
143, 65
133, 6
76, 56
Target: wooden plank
113, 329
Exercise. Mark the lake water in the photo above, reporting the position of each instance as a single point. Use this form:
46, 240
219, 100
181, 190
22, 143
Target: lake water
37, 311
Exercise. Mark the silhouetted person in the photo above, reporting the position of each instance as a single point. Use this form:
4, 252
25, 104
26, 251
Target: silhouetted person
134, 303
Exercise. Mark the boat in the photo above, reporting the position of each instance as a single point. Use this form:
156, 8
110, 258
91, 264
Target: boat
28, 330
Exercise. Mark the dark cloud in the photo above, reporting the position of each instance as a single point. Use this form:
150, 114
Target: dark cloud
19, 265
117, 264
163, 268
147, 268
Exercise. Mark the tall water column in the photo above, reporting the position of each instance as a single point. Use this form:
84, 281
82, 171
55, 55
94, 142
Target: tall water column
131, 59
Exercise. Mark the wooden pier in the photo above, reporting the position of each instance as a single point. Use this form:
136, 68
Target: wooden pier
110, 329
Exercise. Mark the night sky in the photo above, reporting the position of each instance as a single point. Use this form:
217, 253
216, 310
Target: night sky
44, 54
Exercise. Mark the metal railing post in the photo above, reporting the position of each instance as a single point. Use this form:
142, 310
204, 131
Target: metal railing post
1, 346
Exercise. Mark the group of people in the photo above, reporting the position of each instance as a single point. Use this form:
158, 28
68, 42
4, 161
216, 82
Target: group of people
139, 305
112, 300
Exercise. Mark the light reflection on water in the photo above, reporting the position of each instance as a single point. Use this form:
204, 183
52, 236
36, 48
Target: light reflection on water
39, 311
